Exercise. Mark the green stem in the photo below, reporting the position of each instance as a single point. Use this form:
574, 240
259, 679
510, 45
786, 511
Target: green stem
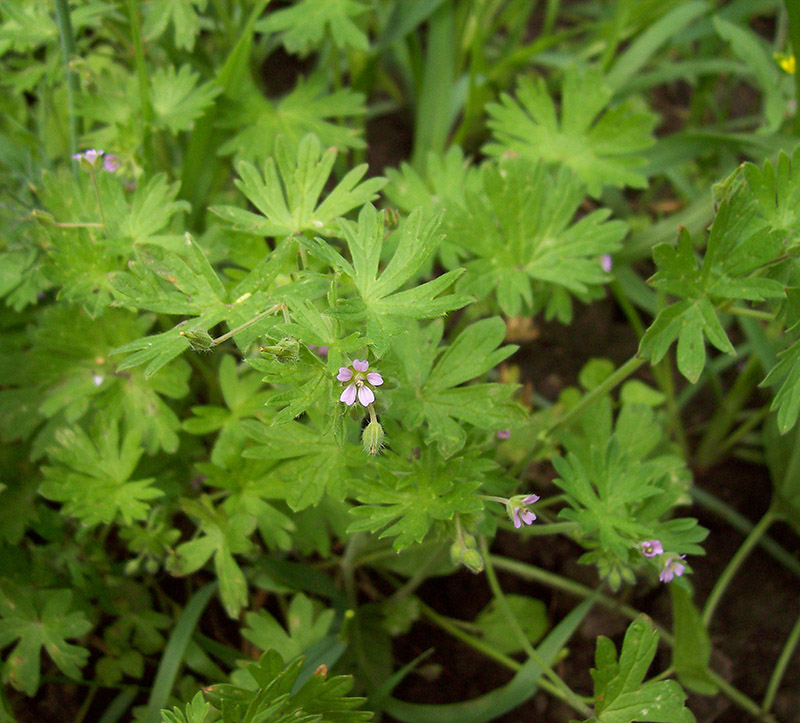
708, 450
619, 376
752, 313
735, 563
572, 698
752, 421
663, 374
348, 569
736, 696
67, 37
141, 72
99, 200
536, 574
780, 667
793, 11
743, 525
451, 628
242, 327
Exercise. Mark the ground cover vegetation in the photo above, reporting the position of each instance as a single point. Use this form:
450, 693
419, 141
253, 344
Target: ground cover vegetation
281, 435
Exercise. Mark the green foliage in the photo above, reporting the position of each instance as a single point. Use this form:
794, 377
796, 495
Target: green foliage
731, 270
527, 251
305, 24
93, 475
379, 302
288, 195
435, 392
36, 619
308, 108
177, 100
591, 136
183, 15
408, 497
620, 693
237, 219
273, 696
305, 627
620, 483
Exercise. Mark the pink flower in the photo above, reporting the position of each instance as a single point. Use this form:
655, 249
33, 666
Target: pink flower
517, 508
651, 548
503, 433
111, 163
672, 568
606, 262
361, 383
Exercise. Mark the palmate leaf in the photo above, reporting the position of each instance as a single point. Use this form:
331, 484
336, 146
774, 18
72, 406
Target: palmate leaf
223, 535
593, 138
165, 282
39, 619
304, 25
433, 393
379, 303
244, 397
410, 496
79, 259
182, 14
273, 694
309, 108
621, 695
739, 246
177, 99
311, 463
287, 191
305, 626
92, 477
528, 249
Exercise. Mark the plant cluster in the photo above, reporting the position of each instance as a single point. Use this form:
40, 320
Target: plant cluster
256, 391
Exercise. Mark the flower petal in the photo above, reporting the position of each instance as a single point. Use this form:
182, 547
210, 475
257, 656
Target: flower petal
360, 366
345, 374
530, 499
375, 379
348, 396
527, 516
515, 516
365, 396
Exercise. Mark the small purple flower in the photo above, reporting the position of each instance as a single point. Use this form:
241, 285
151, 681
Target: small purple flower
89, 160
672, 568
651, 548
606, 262
361, 383
111, 163
517, 509
503, 433
321, 350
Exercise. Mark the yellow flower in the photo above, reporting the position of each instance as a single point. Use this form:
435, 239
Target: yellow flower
786, 62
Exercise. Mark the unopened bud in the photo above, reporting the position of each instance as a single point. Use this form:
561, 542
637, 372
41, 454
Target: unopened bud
472, 560
391, 218
373, 438
44, 218
455, 553
199, 340
286, 350
90, 160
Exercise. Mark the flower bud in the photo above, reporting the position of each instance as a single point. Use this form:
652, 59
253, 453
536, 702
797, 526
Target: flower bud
286, 350
472, 560
391, 218
199, 340
455, 552
373, 438
90, 160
